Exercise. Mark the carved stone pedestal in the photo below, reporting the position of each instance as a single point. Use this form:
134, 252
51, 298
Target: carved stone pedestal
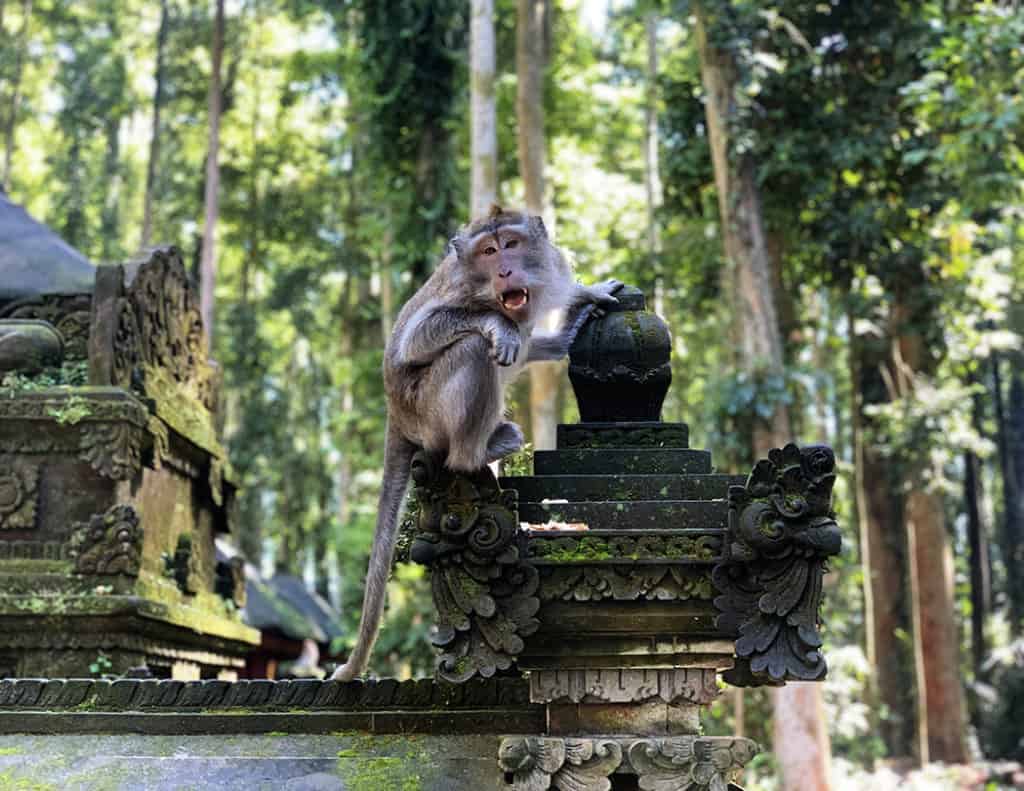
675, 763
625, 575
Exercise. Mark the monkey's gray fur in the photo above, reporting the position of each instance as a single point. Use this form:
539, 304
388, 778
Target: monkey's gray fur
456, 346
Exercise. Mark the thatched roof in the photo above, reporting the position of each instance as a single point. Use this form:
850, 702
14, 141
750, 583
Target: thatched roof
34, 260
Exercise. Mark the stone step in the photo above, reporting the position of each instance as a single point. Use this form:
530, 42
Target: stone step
621, 487
631, 515
603, 461
623, 435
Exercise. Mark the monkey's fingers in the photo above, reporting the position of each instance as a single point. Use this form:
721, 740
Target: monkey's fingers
505, 353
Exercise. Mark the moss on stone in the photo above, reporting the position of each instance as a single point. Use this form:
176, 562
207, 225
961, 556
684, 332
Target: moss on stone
373, 774
11, 782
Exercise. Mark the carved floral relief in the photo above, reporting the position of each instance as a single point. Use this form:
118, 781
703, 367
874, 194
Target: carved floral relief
19, 483
109, 543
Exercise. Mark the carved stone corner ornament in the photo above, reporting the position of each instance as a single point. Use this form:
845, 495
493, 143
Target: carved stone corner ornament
109, 543
671, 763
19, 483
161, 440
148, 335
690, 763
113, 449
485, 596
537, 763
781, 532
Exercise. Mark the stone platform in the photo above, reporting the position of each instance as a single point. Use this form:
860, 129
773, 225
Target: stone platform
152, 735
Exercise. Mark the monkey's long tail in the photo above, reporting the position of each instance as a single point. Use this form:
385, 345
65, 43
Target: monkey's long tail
398, 453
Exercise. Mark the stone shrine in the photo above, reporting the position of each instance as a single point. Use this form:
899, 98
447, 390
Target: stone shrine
113, 483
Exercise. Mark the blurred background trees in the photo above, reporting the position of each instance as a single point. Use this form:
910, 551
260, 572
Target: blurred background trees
824, 200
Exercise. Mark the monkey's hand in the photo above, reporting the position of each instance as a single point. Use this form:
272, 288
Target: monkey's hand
505, 343
600, 295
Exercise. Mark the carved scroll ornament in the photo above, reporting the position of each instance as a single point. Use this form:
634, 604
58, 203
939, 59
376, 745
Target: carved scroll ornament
671, 763
109, 543
781, 532
19, 493
688, 764
468, 534
537, 763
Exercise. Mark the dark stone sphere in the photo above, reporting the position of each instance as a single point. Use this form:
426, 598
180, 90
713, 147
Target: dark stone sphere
619, 363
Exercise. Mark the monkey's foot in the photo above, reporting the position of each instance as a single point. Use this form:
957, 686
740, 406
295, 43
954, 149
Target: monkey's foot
344, 673
507, 438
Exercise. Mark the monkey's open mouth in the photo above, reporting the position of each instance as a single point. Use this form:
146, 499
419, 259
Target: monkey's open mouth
514, 298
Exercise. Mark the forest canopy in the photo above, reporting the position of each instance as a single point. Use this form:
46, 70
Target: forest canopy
311, 159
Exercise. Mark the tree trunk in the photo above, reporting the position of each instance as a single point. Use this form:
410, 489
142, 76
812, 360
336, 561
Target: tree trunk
1013, 516
652, 176
110, 215
12, 113
207, 266
884, 559
978, 538
483, 110
941, 724
801, 740
154, 140
545, 378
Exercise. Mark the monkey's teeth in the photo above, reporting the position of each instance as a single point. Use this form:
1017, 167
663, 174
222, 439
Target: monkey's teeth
515, 298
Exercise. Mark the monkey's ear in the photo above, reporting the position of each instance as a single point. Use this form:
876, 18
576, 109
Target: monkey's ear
495, 211
457, 247
538, 227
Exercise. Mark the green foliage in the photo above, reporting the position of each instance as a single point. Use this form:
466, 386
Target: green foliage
100, 665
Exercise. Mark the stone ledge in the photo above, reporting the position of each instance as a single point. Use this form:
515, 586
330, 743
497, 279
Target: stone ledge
528, 719
91, 695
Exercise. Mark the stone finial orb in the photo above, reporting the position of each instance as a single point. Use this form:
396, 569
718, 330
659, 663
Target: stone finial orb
619, 363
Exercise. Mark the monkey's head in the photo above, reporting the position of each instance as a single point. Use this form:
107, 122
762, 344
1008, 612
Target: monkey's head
509, 263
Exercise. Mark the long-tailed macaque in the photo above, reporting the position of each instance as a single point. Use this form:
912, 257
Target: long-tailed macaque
456, 346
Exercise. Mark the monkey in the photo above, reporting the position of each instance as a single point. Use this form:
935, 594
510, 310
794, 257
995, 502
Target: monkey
455, 347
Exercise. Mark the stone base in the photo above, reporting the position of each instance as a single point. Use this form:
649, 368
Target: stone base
676, 763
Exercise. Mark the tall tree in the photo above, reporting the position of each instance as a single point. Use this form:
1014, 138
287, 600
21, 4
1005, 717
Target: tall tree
483, 109
652, 176
801, 740
152, 162
208, 266
531, 62
14, 105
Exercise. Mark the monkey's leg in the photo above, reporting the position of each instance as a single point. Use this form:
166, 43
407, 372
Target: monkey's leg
469, 404
506, 439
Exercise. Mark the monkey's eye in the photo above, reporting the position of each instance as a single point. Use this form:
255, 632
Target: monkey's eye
511, 243
490, 250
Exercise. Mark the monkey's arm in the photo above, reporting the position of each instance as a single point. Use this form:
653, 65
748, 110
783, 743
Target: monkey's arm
434, 329
584, 301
